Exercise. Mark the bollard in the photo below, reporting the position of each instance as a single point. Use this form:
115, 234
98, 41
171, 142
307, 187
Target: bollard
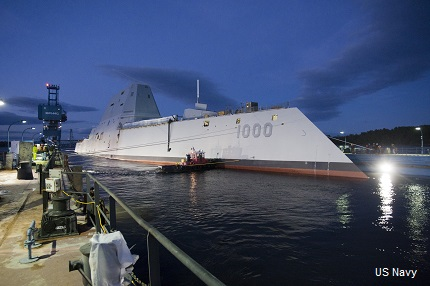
25, 172
29, 244
85, 251
83, 264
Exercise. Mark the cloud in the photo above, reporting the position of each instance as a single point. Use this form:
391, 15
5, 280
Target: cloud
394, 50
31, 104
24, 103
25, 108
173, 83
77, 108
7, 118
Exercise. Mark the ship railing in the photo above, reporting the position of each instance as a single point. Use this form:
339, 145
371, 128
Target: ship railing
154, 237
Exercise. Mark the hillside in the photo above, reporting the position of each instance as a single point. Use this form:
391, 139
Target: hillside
399, 136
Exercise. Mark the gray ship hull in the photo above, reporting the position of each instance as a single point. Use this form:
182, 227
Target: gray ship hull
274, 140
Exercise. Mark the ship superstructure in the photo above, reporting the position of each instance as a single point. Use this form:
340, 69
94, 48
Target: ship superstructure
274, 140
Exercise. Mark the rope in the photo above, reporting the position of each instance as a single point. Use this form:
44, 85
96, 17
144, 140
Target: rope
100, 219
137, 280
84, 203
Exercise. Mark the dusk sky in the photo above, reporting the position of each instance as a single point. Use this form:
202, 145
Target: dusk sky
347, 65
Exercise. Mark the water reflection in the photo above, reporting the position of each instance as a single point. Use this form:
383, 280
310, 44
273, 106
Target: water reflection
255, 223
386, 194
344, 210
193, 189
417, 220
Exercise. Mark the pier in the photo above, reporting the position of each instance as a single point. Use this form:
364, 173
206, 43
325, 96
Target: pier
20, 204
54, 257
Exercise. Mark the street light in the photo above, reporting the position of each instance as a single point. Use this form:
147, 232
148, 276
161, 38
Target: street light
34, 135
344, 146
38, 133
22, 135
422, 141
8, 141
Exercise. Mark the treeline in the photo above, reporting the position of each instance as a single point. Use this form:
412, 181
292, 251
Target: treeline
399, 136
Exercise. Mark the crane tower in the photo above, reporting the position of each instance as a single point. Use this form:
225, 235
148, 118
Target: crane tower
52, 115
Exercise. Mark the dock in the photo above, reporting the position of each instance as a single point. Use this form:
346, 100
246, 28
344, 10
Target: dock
61, 235
20, 204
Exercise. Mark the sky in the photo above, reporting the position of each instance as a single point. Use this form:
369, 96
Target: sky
349, 66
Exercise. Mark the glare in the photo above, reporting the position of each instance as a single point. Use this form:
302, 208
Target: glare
386, 167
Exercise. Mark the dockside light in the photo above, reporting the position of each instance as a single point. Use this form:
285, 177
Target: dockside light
386, 167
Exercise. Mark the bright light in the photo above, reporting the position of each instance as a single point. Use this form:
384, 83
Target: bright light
1, 102
386, 167
417, 128
23, 121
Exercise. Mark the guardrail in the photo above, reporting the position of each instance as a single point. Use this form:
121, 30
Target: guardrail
154, 238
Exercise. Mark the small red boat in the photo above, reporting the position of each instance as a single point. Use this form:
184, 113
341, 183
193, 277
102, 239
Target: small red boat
194, 161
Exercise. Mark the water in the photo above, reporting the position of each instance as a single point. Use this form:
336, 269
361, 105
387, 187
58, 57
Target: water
269, 229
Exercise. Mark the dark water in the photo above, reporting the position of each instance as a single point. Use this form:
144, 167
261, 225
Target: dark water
266, 229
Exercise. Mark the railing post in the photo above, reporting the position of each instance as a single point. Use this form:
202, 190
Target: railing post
45, 195
112, 213
40, 170
87, 194
96, 203
153, 261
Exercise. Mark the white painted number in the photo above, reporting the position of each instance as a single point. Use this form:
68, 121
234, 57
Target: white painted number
245, 131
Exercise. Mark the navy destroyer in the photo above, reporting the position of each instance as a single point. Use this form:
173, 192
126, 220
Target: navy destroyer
280, 140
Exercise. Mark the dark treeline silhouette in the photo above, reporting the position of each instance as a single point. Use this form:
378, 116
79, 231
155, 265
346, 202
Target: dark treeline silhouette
399, 136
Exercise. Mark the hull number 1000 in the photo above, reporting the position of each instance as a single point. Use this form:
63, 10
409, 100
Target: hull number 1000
256, 130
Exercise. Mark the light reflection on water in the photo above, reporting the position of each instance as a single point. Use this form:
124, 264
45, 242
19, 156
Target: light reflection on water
344, 210
254, 229
193, 190
418, 220
386, 194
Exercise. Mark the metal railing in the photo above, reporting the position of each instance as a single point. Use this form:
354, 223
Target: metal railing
154, 237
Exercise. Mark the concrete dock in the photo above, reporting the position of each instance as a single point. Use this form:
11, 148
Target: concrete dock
20, 204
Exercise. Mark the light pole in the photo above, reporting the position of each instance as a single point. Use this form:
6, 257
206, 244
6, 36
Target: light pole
8, 141
22, 135
344, 146
422, 141
38, 133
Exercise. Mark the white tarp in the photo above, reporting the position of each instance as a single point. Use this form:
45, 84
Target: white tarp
109, 258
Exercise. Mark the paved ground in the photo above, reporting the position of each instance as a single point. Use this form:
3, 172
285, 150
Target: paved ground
20, 204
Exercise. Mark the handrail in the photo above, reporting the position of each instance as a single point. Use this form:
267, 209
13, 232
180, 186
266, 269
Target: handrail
153, 259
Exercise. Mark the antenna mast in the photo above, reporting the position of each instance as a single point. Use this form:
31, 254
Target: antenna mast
198, 91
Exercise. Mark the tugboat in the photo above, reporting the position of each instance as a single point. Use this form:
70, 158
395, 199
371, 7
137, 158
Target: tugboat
194, 161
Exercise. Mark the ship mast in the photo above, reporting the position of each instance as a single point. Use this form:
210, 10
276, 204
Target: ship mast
198, 91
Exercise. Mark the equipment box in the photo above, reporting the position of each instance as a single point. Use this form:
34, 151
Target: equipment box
52, 185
